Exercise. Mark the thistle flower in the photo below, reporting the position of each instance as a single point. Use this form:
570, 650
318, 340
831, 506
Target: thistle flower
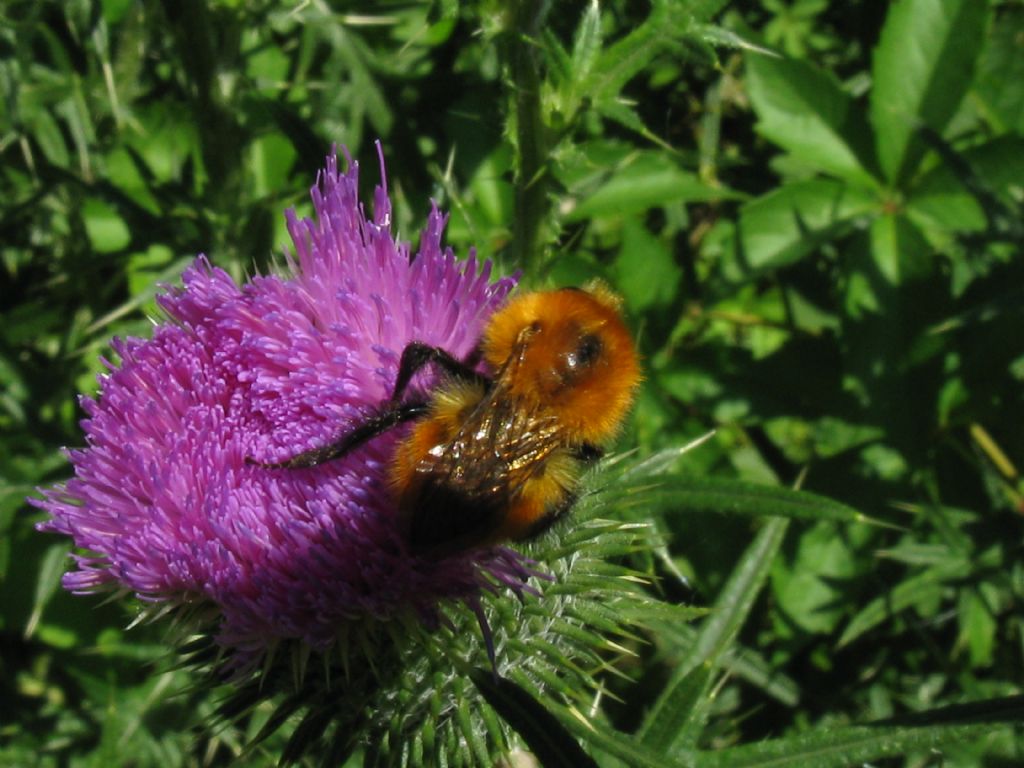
167, 503
162, 496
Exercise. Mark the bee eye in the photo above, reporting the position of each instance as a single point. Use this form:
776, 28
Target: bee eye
586, 353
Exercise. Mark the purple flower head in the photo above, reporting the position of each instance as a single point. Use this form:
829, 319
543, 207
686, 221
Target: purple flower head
163, 501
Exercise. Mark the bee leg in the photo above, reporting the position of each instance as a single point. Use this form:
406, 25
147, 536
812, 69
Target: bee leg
552, 515
417, 354
588, 453
368, 430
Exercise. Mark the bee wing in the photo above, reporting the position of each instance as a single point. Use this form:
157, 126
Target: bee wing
502, 447
470, 483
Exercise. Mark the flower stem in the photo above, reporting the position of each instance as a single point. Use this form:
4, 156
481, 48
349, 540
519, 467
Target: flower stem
531, 145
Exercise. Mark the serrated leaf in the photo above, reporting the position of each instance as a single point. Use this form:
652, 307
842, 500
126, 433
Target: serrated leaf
666, 721
1000, 81
660, 462
648, 612
626, 748
899, 251
50, 570
622, 113
737, 596
947, 198
909, 593
307, 734
620, 62
921, 70
645, 270
716, 35
840, 747
808, 584
541, 731
559, 65
644, 181
785, 225
683, 494
587, 44
740, 661
804, 111
688, 701
667, 23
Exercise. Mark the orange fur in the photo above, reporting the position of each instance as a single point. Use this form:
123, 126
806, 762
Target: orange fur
536, 346
448, 410
500, 458
594, 407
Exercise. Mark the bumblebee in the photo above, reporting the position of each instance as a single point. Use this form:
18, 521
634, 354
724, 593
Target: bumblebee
499, 457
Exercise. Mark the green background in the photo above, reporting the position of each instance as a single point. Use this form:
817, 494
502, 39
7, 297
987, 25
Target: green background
812, 209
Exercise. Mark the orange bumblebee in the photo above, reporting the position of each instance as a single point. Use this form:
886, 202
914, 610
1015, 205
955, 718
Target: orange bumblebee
498, 458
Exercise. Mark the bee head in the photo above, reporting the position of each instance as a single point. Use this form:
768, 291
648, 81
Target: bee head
568, 353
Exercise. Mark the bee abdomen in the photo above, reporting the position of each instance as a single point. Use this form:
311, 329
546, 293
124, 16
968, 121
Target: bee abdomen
446, 519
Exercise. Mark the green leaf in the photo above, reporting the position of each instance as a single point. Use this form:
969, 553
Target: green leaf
942, 199
803, 110
669, 21
50, 570
270, 159
921, 70
681, 494
587, 45
740, 661
667, 720
624, 114
645, 271
687, 699
833, 436
106, 230
1000, 81
653, 612
978, 627
47, 133
643, 181
620, 62
785, 225
899, 251
627, 749
808, 588
881, 266
909, 593
541, 731
729, 38
840, 747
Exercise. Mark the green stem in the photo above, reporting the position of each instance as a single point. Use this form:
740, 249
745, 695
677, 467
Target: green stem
531, 193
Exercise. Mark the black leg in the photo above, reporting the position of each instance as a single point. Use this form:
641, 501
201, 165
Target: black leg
552, 515
368, 430
588, 453
417, 354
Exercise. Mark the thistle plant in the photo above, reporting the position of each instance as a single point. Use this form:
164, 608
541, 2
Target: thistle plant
817, 249
297, 582
164, 494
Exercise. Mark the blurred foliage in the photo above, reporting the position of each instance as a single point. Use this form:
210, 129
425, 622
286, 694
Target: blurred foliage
813, 210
